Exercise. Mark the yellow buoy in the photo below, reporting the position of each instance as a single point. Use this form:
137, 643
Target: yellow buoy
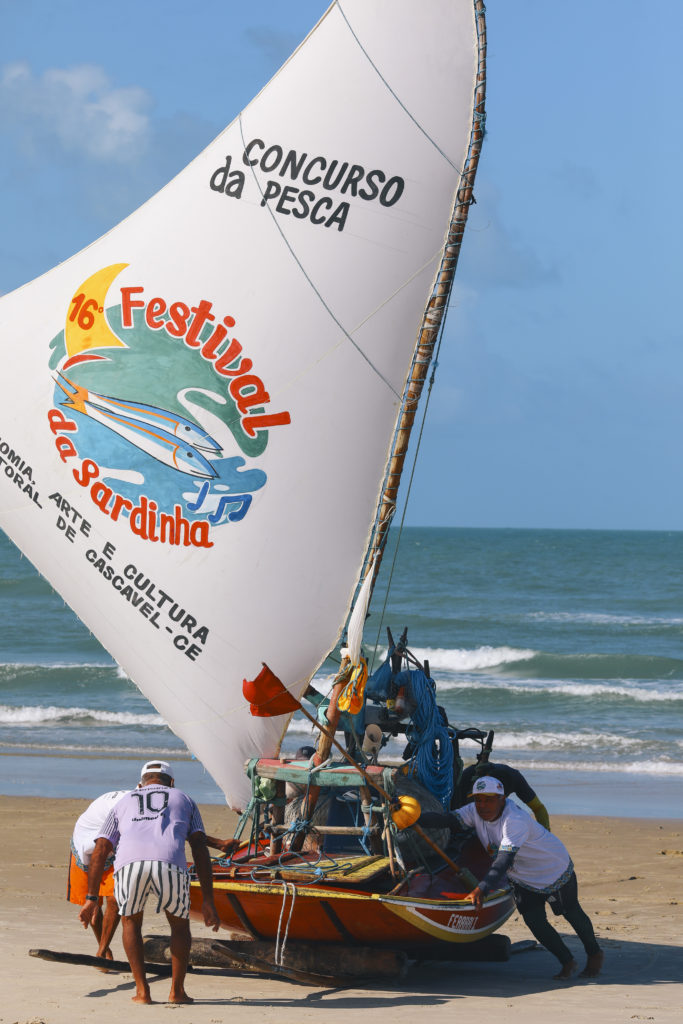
406, 812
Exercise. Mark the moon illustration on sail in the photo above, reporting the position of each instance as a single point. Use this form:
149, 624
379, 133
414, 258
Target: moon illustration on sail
86, 324
288, 319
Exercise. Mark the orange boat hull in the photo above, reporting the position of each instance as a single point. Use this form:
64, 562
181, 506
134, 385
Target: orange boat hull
431, 909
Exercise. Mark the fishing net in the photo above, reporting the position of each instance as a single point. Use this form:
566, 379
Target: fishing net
408, 842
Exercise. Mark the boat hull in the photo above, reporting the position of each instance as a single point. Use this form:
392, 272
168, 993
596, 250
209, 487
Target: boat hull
323, 914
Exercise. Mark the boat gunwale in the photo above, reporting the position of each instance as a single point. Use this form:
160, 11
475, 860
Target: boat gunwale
311, 890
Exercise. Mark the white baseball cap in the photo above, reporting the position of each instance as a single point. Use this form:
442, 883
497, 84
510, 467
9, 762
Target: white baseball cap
159, 767
487, 784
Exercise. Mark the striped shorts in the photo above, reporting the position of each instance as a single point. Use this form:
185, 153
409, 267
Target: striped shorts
170, 884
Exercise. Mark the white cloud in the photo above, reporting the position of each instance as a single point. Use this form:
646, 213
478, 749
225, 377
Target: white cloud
77, 108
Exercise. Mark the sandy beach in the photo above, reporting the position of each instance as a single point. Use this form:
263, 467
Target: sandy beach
630, 882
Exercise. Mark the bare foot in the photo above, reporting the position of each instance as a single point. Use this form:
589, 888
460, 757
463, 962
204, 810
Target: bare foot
567, 971
143, 997
593, 965
180, 997
106, 954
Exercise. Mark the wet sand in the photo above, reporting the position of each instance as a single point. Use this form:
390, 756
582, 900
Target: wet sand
630, 882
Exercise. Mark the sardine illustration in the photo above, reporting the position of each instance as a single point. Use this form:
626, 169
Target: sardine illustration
149, 434
170, 422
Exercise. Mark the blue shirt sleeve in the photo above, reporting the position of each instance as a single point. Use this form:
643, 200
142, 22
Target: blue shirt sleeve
493, 879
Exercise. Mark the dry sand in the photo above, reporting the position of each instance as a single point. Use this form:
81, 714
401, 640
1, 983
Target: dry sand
630, 883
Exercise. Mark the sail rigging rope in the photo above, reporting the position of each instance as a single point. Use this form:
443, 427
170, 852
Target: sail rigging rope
432, 378
448, 264
397, 98
308, 278
280, 949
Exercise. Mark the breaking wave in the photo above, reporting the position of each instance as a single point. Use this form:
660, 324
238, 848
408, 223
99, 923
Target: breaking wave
603, 619
463, 660
638, 694
42, 715
514, 662
569, 741
630, 768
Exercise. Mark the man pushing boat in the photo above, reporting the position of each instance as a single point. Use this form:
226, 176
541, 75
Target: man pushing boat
147, 828
537, 865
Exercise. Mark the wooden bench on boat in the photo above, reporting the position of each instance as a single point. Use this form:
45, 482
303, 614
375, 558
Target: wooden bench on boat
338, 776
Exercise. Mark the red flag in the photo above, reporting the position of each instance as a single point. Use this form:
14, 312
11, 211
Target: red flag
268, 696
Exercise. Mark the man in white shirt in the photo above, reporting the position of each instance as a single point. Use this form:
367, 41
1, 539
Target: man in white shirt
86, 831
537, 865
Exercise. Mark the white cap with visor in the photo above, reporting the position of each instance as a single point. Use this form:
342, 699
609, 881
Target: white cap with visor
487, 784
158, 767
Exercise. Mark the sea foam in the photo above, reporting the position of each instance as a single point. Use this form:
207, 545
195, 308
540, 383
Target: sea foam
567, 741
604, 619
635, 693
462, 660
37, 715
629, 768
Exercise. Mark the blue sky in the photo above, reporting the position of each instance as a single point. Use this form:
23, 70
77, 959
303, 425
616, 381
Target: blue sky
557, 400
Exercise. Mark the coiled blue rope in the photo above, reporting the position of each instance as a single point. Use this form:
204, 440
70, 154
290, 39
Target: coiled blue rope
433, 757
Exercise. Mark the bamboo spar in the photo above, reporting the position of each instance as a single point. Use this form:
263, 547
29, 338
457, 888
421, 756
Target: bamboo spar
434, 313
426, 343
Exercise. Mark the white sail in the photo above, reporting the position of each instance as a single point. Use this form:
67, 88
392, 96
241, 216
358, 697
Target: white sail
357, 619
201, 404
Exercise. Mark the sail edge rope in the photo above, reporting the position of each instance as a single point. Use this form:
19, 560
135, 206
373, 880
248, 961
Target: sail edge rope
433, 321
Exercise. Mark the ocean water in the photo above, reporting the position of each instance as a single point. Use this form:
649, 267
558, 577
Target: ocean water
566, 643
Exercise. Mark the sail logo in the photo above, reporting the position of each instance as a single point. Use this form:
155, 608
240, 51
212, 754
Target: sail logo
186, 322
310, 173
140, 393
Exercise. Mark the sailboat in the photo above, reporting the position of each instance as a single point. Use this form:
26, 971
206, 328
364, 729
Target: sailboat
210, 410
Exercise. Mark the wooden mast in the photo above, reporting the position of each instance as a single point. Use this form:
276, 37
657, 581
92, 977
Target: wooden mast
426, 342
435, 311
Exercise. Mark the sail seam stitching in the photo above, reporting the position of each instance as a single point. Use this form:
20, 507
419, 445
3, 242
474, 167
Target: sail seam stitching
397, 98
320, 297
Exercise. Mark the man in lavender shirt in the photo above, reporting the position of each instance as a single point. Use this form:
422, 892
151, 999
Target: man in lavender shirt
148, 828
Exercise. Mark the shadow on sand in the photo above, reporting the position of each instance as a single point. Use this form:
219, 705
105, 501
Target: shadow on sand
433, 983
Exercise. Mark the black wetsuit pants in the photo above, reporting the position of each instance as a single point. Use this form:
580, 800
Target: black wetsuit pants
564, 901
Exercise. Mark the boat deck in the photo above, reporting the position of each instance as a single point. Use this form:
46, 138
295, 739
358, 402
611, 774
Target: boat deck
345, 869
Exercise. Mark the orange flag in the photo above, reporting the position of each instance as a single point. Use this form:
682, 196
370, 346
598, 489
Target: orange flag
268, 696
